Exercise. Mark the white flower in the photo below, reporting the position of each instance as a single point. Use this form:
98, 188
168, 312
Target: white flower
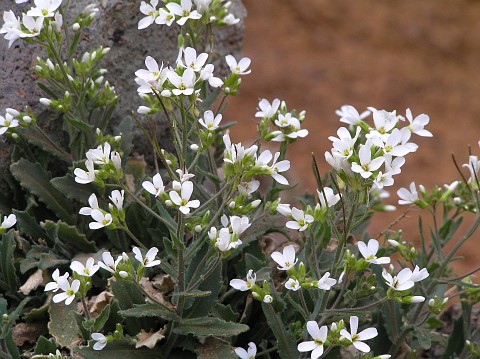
8, 221
183, 200
202, 5
210, 121
12, 27
418, 123
384, 121
284, 209
86, 270
319, 336
330, 199
287, 259
357, 338
53, 286
93, 202
207, 74
149, 260
117, 198
267, 110
7, 122
276, 168
292, 284
240, 68
418, 275
473, 166
301, 220
348, 114
100, 341
369, 252
184, 10
406, 196
151, 11
192, 60
326, 282
33, 26
402, 281
165, 17
383, 179
44, 8
152, 78
155, 187
247, 188
247, 354
242, 285
184, 84
367, 164
69, 291
231, 20
102, 219
239, 225
84, 177
109, 263
116, 160
100, 155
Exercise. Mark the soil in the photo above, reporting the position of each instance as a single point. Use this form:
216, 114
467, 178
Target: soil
321, 54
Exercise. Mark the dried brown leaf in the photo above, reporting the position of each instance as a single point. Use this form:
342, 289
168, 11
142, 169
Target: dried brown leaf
149, 340
32, 283
27, 333
155, 293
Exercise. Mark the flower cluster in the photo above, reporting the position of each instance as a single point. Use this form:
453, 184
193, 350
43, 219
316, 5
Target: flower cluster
259, 293
297, 278
376, 153
108, 161
180, 194
211, 12
227, 238
186, 78
288, 124
103, 218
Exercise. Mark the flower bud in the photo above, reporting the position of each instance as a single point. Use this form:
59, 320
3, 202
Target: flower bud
123, 274
194, 147
45, 101
232, 204
144, 110
413, 299
13, 112
393, 243
27, 119
255, 203
198, 228
168, 203
267, 299
431, 302
76, 26
50, 64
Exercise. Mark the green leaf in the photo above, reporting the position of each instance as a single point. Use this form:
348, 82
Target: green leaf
79, 124
72, 189
36, 180
69, 235
32, 135
287, 347
194, 293
208, 326
127, 295
456, 340
424, 338
100, 321
45, 346
7, 268
224, 312
116, 350
63, 325
149, 310
28, 225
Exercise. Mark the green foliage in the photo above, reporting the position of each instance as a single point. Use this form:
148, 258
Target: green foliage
63, 325
8, 278
208, 326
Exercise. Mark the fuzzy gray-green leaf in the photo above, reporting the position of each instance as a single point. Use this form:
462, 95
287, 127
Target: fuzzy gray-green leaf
208, 326
36, 180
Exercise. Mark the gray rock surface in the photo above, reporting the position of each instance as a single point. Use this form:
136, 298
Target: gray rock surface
115, 26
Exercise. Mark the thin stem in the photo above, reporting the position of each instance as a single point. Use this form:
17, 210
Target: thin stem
133, 237
206, 275
85, 308
146, 294
347, 310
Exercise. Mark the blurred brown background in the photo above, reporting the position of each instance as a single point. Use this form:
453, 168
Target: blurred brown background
320, 54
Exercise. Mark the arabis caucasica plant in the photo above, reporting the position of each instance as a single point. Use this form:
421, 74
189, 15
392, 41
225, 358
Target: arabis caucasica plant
195, 253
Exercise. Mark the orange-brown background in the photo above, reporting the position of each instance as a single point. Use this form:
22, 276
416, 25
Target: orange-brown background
320, 54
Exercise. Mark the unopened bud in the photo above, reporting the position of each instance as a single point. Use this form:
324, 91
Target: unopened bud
198, 228
431, 302
13, 112
393, 242
144, 110
105, 51
168, 203
267, 299
76, 26
194, 147
45, 101
255, 203
27, 119
50, 64
232, 204
123, 274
